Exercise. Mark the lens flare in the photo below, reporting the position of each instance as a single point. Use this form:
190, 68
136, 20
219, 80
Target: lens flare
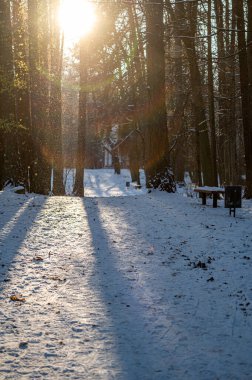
76, 18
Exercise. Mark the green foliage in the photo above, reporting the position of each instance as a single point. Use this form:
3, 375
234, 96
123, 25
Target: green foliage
11, 126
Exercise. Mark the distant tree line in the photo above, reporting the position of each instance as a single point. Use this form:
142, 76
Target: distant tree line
177, 72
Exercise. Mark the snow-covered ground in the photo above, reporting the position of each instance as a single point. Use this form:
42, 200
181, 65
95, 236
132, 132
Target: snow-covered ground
104, 183
149, 286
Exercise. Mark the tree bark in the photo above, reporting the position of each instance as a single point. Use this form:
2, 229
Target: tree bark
211, 94
156, 134
244, 83
205, 154
22, 112
80, 160
39, 95
55, 112
7, 108
249, 54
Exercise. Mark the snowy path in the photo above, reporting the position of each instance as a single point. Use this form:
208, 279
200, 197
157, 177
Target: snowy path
111, 291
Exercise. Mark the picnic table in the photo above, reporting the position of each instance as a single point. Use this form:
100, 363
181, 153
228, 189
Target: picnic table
208, 190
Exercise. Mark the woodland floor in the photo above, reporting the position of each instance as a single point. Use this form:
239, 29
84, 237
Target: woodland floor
147, 286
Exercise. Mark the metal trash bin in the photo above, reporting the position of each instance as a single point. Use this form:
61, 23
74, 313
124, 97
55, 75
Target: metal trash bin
233, 198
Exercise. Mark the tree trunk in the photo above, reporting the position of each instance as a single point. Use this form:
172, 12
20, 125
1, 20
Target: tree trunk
80, 160
244, 79
222, 132
39, 95
205, 156
57, 45
249, 53
249, 42
156, 134
233, 164
211, 94
200, 116
22, 113
7, 109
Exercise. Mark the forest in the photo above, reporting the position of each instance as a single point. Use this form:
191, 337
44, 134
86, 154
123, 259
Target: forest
164, 85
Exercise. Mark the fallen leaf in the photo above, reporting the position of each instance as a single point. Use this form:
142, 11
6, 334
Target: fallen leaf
17, 297
38, 258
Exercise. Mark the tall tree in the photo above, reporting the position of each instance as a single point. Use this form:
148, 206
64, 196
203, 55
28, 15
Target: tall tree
211, 107
39, 94
55, 111
156, 134
190, 12
177, 94
80, 160
244, 79
222, 121
22, 113
249, 50
7, 109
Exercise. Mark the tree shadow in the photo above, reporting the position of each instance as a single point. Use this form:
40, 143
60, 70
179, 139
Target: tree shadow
10, 204
138, 352
16, 221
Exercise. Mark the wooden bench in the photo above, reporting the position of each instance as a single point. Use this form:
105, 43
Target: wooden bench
207, 190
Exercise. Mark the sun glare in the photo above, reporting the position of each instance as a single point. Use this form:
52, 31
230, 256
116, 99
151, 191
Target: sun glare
77, 18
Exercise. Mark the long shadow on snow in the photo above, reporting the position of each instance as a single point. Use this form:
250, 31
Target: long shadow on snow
9, 209
134, 345
11, 241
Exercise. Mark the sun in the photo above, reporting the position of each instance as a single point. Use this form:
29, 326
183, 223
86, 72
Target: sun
77, 18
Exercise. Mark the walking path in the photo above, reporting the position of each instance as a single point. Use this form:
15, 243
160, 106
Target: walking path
143, 287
